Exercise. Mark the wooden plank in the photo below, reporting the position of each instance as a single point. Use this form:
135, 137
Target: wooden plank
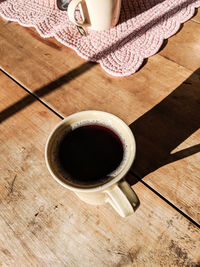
184, 47
196, 18
44, 224
68, 84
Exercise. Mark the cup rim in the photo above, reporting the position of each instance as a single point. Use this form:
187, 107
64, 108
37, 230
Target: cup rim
111, 182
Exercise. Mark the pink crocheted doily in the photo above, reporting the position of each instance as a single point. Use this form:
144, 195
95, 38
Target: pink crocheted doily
142, 27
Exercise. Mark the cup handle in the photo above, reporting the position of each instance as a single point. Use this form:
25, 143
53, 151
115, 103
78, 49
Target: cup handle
71, 10
122, 198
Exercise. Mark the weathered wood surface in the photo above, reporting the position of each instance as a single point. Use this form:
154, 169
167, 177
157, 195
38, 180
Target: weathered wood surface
160, 102
184, 47
44, 224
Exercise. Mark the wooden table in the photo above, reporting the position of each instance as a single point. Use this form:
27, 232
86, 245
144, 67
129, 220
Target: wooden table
44, 224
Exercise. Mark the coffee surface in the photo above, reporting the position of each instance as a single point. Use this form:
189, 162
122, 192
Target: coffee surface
89, 153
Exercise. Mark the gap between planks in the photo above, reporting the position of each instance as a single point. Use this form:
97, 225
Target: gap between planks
166, 200
32, 94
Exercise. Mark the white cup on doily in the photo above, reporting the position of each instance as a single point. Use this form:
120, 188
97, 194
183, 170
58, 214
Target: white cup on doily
96, 14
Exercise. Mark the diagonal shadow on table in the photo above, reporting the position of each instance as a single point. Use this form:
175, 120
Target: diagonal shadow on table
160, 130
140, 31
41, 92
133, 8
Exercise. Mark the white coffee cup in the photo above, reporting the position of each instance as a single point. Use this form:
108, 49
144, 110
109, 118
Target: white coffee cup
96, 14
116, 190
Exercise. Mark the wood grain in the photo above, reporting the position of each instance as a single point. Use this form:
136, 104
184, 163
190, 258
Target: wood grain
184, 47
44, 224
160, 102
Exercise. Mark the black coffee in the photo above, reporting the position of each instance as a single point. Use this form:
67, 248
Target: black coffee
89, 153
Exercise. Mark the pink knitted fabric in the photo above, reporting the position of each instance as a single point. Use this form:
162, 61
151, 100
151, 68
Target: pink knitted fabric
142, 27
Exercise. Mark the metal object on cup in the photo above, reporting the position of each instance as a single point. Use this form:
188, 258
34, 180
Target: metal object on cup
63, 6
